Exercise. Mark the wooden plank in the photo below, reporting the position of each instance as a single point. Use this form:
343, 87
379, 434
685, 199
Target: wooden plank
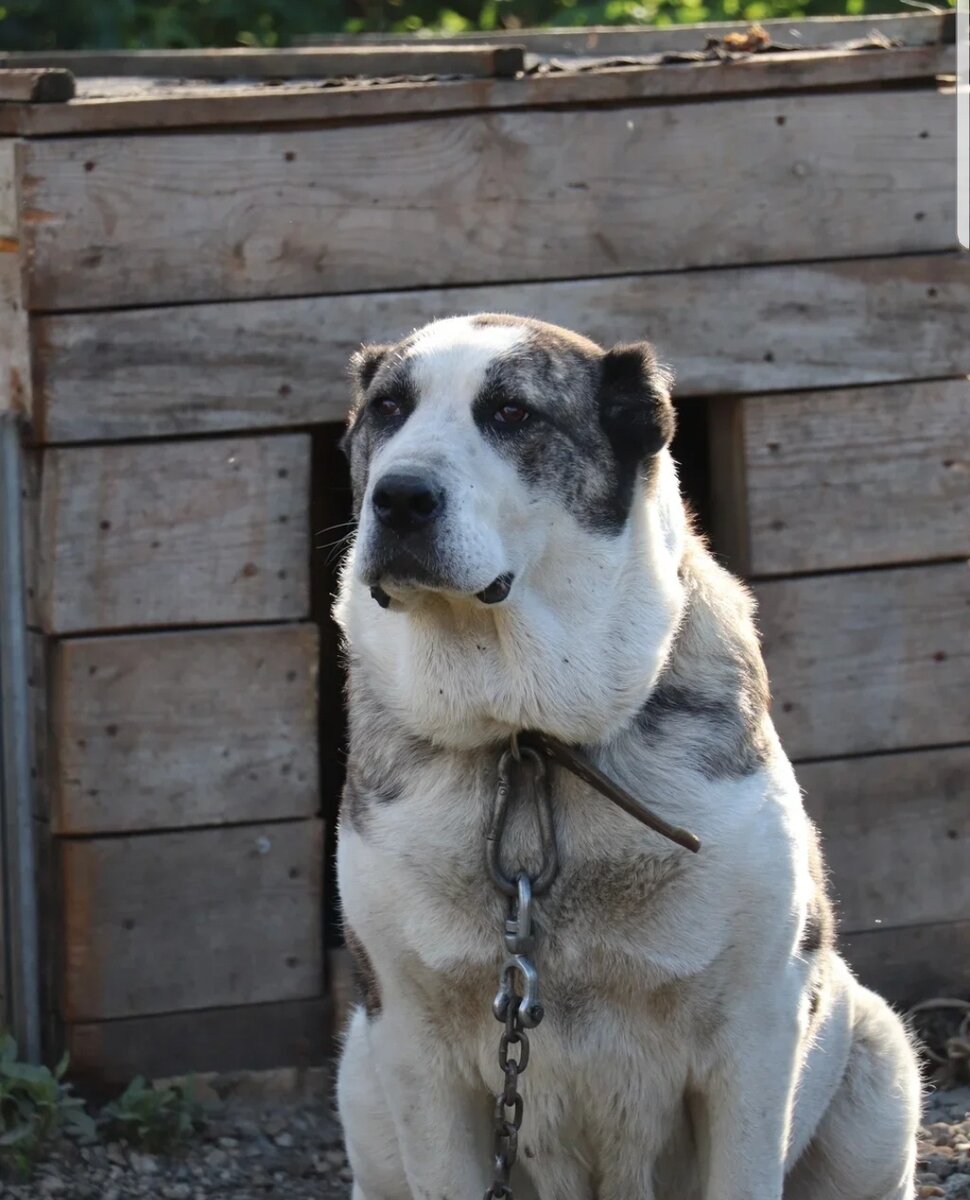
35, 85
868, 661
909, 965
252, 1037
211, 368
190, 533
165, 731
912, 29
484, 198
896, 829
306, 62
176, 921
15, 389
108, 106
856, 478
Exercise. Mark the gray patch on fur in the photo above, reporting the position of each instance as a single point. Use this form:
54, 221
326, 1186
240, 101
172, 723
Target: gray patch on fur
367, 989
377, 373
382, 755
709, 709
566, 448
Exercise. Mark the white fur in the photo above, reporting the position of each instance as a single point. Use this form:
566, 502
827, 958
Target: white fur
689, 1074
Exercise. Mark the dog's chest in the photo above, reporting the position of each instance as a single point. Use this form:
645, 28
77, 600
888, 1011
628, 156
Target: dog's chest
417, 892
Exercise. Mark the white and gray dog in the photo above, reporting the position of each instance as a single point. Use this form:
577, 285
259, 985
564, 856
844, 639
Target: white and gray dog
521, 527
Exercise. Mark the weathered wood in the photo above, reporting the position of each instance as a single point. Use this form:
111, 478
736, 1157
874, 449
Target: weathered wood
912, 29
192, 533
896, 829
851, 478
909, 965
218, 367
107, 106
164, 731
14, 340
868, 661
175, 921
253, 1037
35, 85
489, 197
305, 62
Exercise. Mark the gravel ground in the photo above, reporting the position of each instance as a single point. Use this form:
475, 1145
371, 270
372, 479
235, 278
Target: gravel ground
290, 1149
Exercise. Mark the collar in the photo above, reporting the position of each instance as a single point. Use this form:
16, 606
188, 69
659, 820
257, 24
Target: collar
579, 765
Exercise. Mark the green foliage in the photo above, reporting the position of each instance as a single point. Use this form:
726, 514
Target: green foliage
153, 1119
36, 1105
135, 24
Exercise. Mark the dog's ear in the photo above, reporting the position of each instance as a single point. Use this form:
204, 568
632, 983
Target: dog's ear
363, 366
634, 402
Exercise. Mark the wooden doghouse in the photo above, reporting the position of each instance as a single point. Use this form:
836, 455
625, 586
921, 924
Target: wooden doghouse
186, 266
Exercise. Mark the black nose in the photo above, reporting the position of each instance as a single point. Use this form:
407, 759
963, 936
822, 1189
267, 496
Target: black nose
406, 502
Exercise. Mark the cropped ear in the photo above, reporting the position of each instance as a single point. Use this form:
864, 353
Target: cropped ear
364, 364
634, 401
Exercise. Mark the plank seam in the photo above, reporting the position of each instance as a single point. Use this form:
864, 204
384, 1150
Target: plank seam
951, 252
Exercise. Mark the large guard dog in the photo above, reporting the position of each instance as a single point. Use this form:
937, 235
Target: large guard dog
521, 528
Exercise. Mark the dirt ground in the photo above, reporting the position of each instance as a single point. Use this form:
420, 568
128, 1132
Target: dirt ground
289, 1147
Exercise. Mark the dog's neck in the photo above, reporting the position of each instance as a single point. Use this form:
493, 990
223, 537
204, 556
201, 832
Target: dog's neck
575, 651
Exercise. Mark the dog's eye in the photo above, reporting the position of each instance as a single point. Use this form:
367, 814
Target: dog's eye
387, 406
511, 415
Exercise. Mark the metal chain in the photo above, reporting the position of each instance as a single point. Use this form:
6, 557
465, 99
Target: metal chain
517, 1008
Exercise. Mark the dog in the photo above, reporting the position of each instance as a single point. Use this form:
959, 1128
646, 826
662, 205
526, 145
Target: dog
523, 560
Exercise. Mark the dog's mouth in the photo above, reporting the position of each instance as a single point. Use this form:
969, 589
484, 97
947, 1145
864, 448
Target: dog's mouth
496, 592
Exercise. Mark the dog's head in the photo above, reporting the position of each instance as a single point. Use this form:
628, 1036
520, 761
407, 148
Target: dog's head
470, 440
498, 465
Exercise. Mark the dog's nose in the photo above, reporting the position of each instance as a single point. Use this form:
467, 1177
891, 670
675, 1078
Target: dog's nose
406, 502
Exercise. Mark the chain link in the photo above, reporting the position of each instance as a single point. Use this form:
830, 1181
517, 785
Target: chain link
508, 1103
518, 1007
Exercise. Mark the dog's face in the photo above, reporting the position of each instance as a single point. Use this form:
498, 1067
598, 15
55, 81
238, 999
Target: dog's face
476, 440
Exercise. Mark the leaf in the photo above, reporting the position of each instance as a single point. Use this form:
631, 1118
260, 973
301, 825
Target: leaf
8, 1049
61, 1069
82, 1124
26, 1072
17, 1135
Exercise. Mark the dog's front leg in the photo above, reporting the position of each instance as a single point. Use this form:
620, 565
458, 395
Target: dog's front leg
440, 1121
747, 1097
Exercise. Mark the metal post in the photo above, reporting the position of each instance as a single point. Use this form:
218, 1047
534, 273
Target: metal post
16, 793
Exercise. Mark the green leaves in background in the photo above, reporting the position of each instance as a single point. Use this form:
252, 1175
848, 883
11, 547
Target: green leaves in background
36, 1105
144, 24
